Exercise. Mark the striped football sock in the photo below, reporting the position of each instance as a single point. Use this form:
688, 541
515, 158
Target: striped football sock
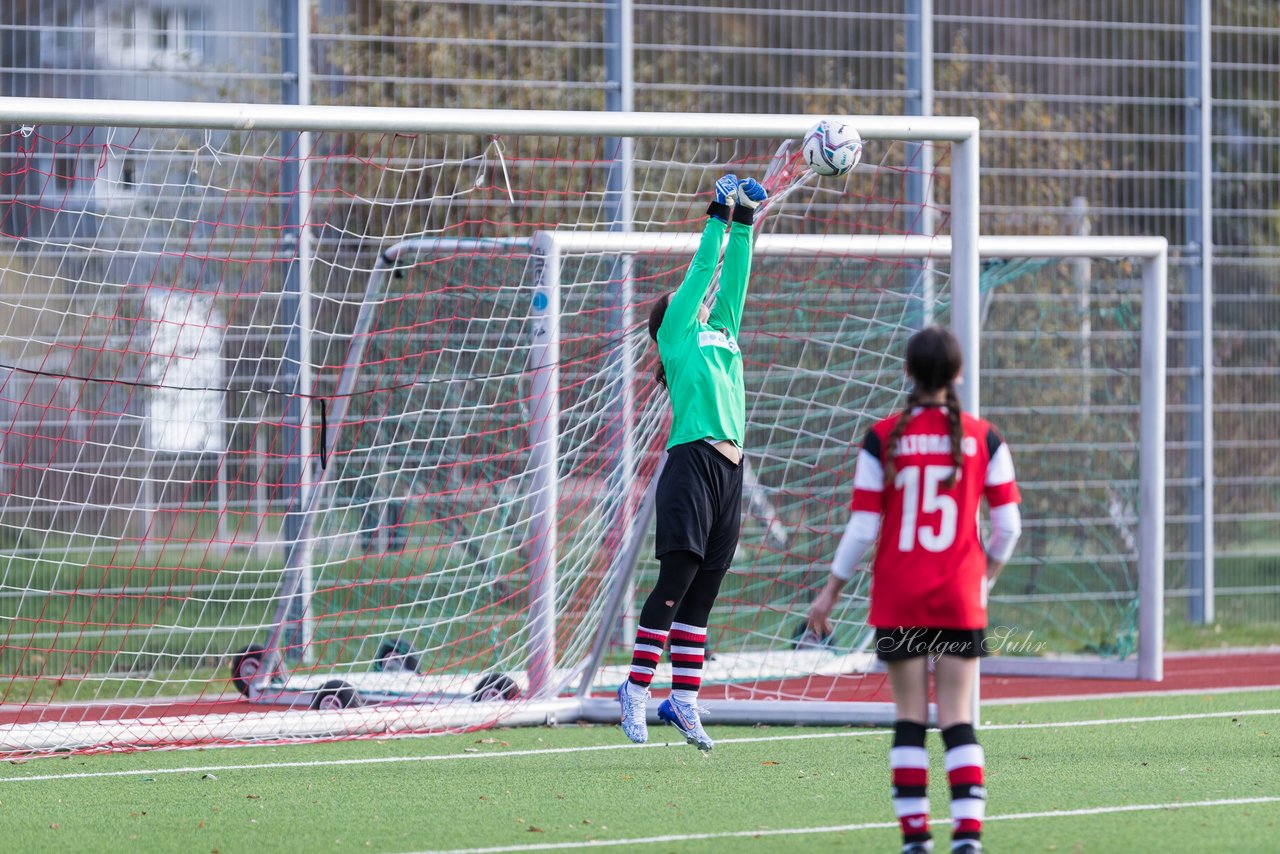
688, 647
644, 658
910, 766
965, 775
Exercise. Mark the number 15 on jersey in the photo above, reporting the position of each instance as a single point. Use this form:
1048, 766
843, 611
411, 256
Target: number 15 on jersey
921, 488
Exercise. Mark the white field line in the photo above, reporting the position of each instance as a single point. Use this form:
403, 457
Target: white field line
846, 828
551, 751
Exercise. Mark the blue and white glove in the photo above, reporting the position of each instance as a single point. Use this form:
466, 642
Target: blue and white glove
750, 194
727, 188
726, 193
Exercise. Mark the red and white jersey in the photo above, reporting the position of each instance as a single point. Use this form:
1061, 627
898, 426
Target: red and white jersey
930, 566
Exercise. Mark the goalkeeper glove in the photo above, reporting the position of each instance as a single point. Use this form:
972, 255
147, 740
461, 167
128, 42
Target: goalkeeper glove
726, 191
750, 195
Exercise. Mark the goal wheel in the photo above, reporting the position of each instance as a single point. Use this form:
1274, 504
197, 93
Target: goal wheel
335, 694
806, 638
495, 686
245, 666
396, 657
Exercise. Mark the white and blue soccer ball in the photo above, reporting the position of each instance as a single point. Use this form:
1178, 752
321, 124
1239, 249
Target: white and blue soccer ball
832, 147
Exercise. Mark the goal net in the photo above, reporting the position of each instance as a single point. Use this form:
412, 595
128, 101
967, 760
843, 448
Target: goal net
326, 428
1072, 362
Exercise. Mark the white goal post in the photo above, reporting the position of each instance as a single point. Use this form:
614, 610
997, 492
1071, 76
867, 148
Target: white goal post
1150, 252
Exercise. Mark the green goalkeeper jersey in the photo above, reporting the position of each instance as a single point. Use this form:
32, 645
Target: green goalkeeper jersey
702, 360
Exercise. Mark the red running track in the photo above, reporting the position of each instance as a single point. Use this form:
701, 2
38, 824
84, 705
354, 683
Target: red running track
1217, 670
1225, 669
91, 712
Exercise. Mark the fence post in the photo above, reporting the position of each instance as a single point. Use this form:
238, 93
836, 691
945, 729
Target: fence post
919, 102
619, 291
1199, 286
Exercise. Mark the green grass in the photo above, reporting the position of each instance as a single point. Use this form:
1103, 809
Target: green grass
99, 622
508, 788
1180, 635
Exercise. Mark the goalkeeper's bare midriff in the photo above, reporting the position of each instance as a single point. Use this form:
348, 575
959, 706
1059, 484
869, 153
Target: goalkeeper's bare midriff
728, 450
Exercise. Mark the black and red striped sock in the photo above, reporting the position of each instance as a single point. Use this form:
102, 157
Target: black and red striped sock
965, 774
645, 655
688, 648
910, 766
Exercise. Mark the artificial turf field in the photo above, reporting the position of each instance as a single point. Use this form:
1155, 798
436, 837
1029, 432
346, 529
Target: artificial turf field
1194, 772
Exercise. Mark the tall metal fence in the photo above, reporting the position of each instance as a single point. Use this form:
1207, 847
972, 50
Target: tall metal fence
1121, 117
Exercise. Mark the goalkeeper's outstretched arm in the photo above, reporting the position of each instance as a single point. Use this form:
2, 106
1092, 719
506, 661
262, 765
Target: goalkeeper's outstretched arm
682, 309
737, 259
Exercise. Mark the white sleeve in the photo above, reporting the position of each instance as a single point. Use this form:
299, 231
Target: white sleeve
859, 536
1000, 469
1006, 527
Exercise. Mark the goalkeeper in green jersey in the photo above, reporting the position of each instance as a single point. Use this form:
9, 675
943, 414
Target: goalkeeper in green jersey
700, 491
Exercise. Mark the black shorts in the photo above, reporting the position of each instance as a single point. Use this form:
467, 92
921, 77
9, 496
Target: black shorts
902, 644
698, 505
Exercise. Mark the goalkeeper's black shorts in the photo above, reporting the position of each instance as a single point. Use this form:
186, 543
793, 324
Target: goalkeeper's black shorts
698, 505
904, 643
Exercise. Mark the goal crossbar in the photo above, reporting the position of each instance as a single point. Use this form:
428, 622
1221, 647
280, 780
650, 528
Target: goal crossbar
294, 117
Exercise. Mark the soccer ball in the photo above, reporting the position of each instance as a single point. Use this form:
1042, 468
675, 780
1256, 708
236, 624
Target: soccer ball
832, 147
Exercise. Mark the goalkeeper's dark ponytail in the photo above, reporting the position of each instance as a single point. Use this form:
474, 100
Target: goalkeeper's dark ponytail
656, 314
660, 373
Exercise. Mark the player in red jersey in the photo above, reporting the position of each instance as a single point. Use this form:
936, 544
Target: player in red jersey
919, 480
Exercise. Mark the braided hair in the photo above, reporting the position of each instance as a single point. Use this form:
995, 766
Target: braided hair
656, 314
933, 361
